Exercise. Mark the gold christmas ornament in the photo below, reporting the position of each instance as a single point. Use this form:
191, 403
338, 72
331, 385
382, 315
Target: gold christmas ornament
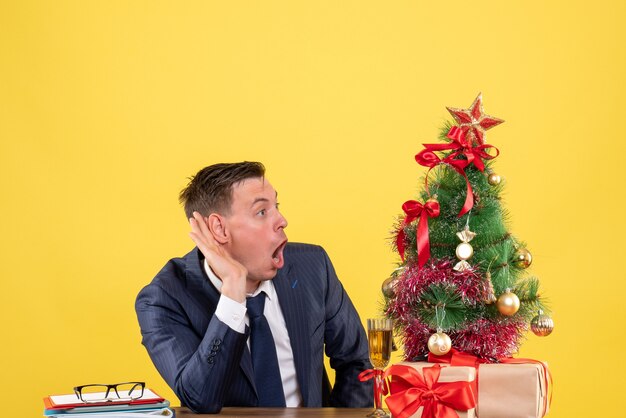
439, 343
494, 179
490, 298
464, 250
389, 286
508, 303
523, 258
542, 325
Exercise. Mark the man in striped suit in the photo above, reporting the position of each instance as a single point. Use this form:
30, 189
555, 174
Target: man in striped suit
244, 318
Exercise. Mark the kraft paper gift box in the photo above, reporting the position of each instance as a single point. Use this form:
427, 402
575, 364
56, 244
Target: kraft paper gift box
448, 374
512, 391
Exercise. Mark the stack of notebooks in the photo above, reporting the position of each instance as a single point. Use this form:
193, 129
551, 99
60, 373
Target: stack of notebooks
69, 406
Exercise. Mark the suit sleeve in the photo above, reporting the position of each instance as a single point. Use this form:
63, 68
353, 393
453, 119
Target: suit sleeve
199, 368
346, 346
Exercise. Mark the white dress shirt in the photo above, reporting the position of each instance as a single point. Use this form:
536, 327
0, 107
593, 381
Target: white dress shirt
233, 314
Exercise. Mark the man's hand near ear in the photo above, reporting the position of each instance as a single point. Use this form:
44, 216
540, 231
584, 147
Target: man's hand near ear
232, 273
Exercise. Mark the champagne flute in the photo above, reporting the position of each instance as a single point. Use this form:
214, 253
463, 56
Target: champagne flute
379, 335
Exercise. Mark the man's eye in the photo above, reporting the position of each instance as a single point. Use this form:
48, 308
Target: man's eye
261, 212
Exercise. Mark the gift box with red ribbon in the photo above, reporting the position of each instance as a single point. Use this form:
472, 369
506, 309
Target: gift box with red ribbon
512, 388
517, 390
431, 391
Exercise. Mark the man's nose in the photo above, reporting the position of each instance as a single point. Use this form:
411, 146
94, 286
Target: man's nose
282, 221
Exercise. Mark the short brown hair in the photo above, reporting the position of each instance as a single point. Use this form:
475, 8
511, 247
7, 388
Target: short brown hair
210, 190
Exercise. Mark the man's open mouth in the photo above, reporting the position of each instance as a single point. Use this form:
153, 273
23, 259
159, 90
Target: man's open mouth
277, 257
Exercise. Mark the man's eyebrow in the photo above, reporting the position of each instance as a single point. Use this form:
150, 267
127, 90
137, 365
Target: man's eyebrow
261, 199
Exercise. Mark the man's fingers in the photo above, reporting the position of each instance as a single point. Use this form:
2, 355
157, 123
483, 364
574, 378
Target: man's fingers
201, 224
201, 243
204, 239
196, 225
220, 261
197, 232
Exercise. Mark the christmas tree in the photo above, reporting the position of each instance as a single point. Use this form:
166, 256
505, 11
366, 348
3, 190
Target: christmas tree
462, 281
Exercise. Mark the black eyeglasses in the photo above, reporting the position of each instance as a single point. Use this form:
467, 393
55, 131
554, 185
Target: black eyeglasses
97, 392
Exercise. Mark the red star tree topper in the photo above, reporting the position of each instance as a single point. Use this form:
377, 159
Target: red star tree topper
473, 121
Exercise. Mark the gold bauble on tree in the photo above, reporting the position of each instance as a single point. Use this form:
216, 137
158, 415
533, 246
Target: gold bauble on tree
523, 258
439, 343
508, 303
542, 325
494, 179
433, 199
389, 287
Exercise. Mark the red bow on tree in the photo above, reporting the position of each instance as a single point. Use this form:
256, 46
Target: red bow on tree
414, 210
410, 390
461, 145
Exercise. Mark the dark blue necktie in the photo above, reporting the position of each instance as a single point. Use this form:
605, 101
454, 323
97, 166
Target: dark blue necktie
269, 385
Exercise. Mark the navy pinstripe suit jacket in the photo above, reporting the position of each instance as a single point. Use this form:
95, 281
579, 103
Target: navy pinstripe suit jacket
208, 365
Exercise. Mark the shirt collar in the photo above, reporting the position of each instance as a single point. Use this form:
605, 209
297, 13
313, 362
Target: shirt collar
265, 286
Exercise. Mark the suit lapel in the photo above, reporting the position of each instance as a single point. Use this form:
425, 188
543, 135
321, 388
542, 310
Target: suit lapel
293, 305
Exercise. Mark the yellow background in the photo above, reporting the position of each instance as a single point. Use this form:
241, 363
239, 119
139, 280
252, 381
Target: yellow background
107, 107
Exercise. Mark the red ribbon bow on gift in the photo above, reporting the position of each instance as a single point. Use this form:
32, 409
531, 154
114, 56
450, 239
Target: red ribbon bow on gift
462, 146
414, 210
410, 390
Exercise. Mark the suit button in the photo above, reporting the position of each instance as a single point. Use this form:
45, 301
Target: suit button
216, 347
210, 360
217, 341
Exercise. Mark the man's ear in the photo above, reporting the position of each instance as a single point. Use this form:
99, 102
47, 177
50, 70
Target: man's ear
217, 227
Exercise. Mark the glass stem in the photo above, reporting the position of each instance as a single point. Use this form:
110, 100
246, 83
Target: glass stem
378, 390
